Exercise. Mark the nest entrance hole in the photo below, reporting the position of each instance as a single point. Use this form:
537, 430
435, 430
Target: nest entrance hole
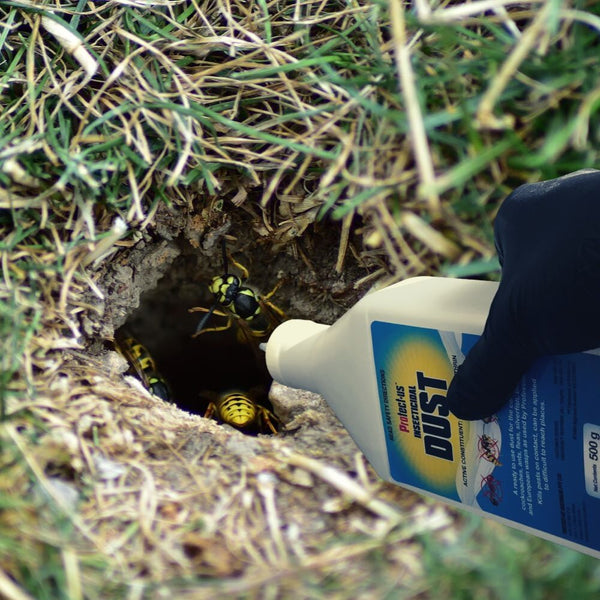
217, 362
194, 367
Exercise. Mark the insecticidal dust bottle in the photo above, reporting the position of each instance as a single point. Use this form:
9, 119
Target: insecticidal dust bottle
385, 367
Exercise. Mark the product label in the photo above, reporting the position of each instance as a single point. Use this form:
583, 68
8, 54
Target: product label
536, 462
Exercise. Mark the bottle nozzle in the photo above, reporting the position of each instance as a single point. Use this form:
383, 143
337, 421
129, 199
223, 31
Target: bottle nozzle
287, 354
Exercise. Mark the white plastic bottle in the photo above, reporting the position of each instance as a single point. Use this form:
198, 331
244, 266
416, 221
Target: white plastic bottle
384, 369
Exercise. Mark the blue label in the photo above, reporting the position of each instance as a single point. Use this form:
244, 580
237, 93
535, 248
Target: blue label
536, 462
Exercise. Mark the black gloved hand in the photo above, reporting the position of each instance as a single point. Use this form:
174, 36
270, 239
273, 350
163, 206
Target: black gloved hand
548, 240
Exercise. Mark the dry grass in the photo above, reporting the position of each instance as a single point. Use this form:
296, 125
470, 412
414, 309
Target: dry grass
401, 127
108, 475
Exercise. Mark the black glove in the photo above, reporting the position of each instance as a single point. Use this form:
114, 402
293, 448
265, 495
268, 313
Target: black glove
548, 240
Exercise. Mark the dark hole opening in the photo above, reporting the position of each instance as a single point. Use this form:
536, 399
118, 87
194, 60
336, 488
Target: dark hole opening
199, 368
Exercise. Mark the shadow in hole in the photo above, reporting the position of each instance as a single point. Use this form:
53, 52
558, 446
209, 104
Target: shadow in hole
213, 361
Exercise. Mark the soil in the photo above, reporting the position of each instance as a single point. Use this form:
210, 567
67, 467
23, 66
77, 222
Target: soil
152, 283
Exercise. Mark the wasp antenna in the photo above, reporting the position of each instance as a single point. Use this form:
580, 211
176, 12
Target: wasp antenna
205, 318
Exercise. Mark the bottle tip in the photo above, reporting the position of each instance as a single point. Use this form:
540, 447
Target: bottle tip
279, 355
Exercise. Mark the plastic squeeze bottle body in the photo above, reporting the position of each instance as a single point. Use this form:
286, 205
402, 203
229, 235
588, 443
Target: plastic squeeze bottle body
384, 368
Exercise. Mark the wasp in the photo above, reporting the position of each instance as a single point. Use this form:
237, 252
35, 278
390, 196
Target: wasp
492, 489
488, 449
255, 315
143, 366
242, 411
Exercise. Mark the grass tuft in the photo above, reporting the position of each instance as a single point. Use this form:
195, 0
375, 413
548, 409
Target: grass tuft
404, 124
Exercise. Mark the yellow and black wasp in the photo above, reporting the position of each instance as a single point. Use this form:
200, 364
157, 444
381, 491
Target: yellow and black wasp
142, 365
255, 315
488, 449
242, 411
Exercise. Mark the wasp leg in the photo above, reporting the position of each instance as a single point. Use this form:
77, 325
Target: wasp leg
277, 286
215, 312
241, 267
202, 309
220, 328
272, 307
266, 417
211, 409
276, 310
